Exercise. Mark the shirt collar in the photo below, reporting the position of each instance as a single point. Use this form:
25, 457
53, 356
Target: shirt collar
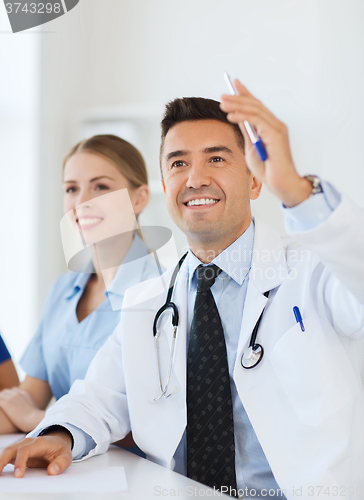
235, 260
80, 281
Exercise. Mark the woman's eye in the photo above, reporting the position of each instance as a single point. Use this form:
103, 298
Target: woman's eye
70, 190
101, 187
217, 159
178, 163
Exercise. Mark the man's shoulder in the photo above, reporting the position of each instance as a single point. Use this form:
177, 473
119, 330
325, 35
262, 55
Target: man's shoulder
273, 243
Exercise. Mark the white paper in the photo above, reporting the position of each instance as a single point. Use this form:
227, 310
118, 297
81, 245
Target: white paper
8, 439
78, 478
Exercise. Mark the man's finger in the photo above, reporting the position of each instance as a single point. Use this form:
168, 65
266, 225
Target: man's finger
6, 458
241, 88
249, 111
21, 460
59, 464
9, 454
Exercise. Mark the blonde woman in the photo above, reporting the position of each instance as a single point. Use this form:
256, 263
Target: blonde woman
79, 314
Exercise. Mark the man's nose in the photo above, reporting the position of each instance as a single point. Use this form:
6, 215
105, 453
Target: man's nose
198, 176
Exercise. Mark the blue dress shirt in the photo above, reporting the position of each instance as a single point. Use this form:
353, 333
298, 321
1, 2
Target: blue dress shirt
62, 347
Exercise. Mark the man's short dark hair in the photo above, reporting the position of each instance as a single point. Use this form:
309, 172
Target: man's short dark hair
192, 109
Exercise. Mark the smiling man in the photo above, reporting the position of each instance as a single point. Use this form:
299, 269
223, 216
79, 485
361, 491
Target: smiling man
279, 421
207, 185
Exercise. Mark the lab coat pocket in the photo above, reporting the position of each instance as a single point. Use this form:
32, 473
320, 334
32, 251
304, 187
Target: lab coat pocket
312, 369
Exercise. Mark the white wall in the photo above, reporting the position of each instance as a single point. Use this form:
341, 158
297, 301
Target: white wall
302, 58
19, 105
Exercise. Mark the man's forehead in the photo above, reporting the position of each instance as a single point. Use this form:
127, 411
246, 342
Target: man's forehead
199, 136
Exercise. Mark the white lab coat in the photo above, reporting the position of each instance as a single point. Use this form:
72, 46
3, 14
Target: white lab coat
304, 400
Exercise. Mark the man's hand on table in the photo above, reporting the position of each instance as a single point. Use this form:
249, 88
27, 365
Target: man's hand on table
52, 451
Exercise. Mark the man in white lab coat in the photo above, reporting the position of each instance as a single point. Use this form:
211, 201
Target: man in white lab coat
299, 413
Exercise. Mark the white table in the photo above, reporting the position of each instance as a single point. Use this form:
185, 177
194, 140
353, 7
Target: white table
146, 481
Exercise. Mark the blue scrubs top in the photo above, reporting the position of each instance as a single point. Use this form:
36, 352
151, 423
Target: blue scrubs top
62, 348
4, 353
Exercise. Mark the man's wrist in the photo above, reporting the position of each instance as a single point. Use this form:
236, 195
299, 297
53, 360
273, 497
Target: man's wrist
299, 191
58, 430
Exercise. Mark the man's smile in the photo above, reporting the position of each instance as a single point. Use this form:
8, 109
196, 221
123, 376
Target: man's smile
201, 202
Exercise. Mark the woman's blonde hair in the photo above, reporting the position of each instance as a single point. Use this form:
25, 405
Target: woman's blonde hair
124, 156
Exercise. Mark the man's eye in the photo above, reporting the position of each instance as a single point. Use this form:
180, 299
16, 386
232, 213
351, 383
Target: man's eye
217, 159
178, 163
101, 187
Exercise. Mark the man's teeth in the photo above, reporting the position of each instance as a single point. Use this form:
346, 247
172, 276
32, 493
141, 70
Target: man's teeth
88, 222
202, 201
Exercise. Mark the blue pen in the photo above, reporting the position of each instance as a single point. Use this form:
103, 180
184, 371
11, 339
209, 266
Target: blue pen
298, 317
254, 137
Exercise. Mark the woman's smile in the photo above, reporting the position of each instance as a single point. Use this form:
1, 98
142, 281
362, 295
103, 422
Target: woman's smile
86, 222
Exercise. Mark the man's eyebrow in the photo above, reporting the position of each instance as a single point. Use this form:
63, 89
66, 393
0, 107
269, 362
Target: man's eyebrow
179, 152
218, 149
212, 149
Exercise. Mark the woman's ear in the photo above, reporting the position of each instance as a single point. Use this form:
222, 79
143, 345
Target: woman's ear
140, 198
255, 188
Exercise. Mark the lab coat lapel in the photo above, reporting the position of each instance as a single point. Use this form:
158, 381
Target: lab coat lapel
268, 271
158, 426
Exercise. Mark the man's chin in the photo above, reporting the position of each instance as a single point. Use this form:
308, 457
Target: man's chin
201, 232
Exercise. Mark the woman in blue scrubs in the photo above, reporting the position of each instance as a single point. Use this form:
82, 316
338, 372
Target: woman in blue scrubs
80, 312
8, 375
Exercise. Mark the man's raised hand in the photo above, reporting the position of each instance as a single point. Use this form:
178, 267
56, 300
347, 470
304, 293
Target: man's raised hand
278, 172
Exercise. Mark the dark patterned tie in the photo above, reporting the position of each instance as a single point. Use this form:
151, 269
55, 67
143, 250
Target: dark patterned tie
210, 427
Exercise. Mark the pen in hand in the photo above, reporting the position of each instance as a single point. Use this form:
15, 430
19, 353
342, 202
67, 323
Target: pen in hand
253, 135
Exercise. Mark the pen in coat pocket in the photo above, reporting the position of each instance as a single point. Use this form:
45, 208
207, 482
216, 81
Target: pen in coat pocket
297, 315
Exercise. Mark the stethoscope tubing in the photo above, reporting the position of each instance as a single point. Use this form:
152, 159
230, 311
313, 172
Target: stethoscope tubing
254, 348
175, 320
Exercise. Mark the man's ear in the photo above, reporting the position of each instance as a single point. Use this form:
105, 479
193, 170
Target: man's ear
255, 188
164, 187
140, 198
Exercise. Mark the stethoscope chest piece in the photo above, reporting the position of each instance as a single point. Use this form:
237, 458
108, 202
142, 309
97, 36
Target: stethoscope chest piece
252, 356
254, 353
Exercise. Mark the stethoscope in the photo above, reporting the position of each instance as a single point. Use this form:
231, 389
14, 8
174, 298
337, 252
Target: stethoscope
249, 359
175, 318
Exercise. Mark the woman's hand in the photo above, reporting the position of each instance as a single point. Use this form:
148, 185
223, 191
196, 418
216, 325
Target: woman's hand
52, 451
278, 172
20, 408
